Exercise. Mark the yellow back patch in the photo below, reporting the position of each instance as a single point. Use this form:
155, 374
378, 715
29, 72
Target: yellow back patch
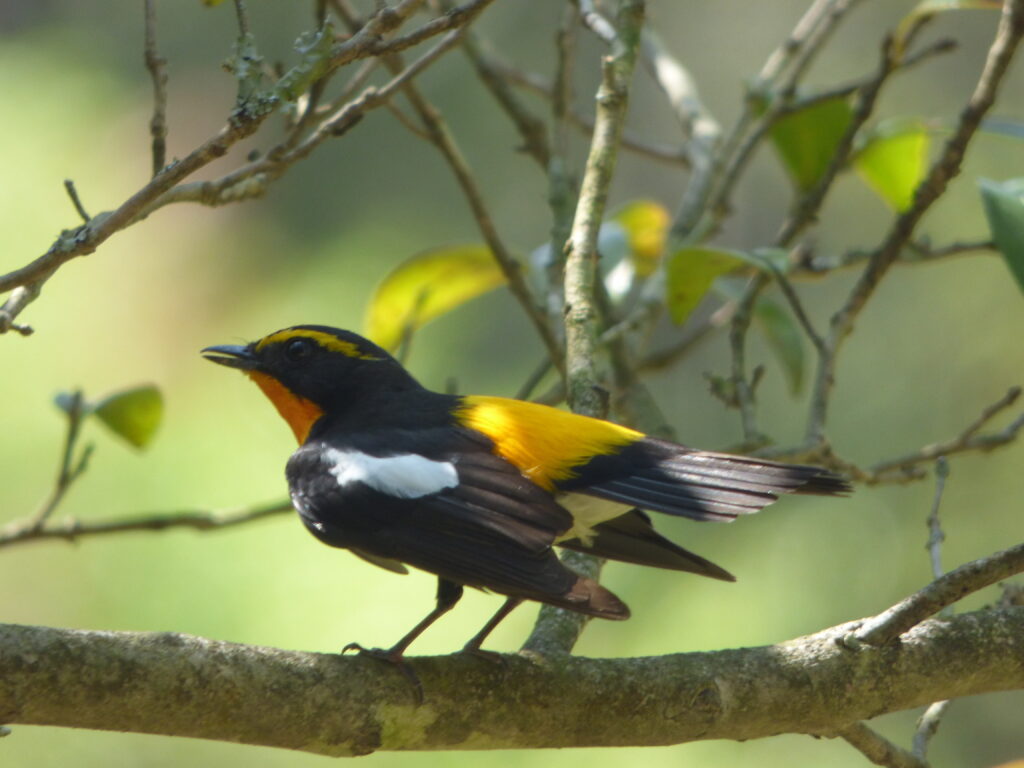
546, 444
325, 340
300, 413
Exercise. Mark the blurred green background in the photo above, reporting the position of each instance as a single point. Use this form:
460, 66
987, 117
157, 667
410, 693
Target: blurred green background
937, 343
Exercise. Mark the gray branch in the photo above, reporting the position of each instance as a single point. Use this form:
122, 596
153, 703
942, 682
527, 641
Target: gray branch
342, 705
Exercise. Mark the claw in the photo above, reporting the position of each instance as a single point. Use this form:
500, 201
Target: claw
394, 658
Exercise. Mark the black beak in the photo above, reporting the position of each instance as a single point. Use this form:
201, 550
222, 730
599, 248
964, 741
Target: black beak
231, 355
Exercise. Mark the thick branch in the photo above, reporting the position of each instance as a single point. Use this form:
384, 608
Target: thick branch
334, 705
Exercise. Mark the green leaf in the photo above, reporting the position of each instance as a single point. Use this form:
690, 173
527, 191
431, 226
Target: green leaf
689, 274
807, 139
1004, 208
426, 286
133, 414
928, 8
784, 339
893, 162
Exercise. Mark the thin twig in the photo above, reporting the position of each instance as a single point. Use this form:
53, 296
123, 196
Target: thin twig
967, 440
457, 16
76, 201
157, 67
878, 749
667, 153
242, 14
946, 590
918, 252
441, 137
927, 726
935, 534
531, 129
70, 468
202, 520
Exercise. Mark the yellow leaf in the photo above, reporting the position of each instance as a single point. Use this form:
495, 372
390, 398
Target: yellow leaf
133, 414
426, 286
646, 225
894, 163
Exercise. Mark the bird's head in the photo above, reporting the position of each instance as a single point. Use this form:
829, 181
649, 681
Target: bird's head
308, 371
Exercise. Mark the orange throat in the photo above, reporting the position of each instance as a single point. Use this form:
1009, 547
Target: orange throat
300, 413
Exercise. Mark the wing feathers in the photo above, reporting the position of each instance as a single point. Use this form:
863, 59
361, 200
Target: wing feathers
630, 538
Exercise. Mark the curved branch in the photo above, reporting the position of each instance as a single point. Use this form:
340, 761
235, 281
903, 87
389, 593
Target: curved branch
338, 705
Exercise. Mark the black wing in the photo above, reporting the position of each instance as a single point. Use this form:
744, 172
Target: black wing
493, 528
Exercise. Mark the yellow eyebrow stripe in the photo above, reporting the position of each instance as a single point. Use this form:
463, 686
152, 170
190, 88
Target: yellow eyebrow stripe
325, 340
546, 444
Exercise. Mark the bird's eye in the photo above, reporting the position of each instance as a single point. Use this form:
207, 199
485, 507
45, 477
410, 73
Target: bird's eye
298, 349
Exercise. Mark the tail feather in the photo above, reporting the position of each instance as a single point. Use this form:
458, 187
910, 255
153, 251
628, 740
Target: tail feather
708, 486
589, 597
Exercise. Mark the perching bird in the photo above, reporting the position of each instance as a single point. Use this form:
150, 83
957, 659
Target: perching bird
477, 489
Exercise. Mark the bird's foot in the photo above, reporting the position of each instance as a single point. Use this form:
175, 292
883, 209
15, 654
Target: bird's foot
395, 657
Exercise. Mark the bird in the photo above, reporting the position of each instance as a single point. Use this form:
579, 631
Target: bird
479, 489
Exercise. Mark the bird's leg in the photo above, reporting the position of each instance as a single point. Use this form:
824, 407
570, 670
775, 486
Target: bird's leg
473, 646
448, 594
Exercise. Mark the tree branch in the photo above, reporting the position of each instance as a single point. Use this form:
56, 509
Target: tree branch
946, 590
339, 705
22, 531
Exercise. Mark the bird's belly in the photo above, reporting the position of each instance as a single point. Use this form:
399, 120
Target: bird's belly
588, 511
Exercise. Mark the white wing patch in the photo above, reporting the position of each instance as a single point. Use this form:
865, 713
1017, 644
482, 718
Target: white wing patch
406, 476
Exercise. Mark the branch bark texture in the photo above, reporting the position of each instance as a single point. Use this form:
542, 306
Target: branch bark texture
338, 705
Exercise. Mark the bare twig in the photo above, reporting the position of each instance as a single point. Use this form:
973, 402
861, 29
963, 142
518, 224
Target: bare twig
878, 749
458, 16
531, 129
581, 327
946, 590
71, 468
242, 13
157, 67
967, 440
557, 630
701, 130
915, 252
441, 137
72, 191
935, 534
668, 153
927, 726
201, 520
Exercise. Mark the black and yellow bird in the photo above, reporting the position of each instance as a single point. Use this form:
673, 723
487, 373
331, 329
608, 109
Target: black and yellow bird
477, 489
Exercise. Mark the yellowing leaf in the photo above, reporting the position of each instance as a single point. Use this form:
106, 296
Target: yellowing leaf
646, 225
807, 139
211, 3
426, 286
133, 414
893, 163
927, 8
1004, 208
689, 274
